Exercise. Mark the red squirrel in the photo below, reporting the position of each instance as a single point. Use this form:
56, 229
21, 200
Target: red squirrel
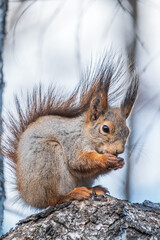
59, 146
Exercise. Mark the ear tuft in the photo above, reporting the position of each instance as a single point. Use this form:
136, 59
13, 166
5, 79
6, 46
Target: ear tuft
98, 106
130, 97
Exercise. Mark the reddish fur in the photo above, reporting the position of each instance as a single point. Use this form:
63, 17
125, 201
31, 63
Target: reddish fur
93, 163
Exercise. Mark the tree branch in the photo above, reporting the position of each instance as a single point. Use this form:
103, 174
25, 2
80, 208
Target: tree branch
96, 218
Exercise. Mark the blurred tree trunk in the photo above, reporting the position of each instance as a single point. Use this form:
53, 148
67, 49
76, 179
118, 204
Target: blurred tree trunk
131, 50
3, 11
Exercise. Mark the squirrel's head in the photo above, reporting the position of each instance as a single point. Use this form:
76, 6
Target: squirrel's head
106, 126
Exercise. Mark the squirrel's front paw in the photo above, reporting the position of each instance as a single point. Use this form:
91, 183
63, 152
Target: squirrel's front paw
113, 162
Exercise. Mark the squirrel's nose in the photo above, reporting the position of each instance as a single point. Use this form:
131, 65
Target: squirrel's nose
116, 148
118, 152
119, 149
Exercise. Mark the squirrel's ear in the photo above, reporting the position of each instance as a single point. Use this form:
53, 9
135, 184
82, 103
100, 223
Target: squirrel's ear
98, 106
130, 97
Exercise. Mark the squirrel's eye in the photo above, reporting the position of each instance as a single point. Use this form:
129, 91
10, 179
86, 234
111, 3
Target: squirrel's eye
105, 129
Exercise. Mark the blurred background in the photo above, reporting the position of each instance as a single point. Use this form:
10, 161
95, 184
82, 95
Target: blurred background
52, 41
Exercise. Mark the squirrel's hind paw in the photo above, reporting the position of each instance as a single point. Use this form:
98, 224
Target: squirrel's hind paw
80, 193
99, 190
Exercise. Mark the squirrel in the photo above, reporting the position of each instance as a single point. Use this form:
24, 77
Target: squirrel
58, 147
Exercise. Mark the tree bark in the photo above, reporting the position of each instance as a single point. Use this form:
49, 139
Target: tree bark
96, 218
3, 11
